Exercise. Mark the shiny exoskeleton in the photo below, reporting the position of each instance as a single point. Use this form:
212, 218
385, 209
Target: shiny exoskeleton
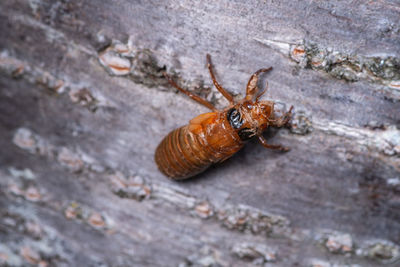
215, 136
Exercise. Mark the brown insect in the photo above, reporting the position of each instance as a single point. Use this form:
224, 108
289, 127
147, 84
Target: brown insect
215, 136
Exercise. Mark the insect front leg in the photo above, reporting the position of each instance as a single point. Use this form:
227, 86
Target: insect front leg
252, 87
263, 91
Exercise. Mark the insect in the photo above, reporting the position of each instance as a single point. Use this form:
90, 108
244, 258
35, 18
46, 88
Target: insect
215, 136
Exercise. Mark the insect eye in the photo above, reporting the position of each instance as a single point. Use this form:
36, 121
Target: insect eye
234, 118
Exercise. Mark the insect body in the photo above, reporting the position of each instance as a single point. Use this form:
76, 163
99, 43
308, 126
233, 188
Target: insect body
215, 136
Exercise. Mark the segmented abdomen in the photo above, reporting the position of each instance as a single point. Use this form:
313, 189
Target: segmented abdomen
183, 154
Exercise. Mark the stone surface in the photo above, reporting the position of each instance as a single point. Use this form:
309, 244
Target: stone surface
83, 105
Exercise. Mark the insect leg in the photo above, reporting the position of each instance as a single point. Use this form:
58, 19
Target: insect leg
265, 144
191, 95
252, 88
263, 91
227, 95
283, 120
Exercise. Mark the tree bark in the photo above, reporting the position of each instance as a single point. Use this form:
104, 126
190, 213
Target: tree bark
84, 104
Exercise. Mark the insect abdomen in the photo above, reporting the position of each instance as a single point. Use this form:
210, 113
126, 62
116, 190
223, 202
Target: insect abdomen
181, 154
189, 150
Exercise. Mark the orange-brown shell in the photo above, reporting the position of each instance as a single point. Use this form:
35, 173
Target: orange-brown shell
189, 150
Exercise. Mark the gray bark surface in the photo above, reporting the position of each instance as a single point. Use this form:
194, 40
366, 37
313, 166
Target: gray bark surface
84, 104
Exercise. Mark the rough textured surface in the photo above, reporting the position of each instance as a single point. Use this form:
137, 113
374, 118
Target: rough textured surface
83, 105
